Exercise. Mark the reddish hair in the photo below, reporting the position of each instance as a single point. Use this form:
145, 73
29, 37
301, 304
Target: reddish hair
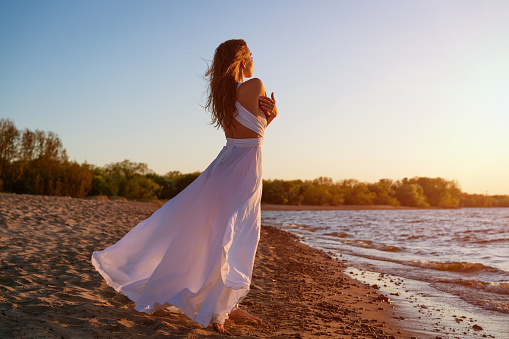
222, 76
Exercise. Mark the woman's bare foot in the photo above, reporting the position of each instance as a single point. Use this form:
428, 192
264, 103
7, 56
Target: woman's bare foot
238, 313
219, 328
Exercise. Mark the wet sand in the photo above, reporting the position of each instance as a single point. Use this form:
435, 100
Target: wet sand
50, 289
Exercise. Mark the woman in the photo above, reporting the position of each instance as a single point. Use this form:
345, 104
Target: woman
196, 252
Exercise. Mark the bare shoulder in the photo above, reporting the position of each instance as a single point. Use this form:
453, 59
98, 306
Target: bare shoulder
251, 88
249, 93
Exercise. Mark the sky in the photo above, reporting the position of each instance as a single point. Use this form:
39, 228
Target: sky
365, 89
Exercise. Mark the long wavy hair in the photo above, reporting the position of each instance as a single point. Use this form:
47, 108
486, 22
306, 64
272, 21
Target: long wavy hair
222, 76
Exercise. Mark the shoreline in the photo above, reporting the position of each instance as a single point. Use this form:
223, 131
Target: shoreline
428, 307
274, 207
49, 287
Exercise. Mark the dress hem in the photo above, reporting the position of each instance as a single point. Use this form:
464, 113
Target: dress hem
149, 309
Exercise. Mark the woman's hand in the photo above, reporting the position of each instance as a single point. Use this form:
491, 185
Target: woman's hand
268, 107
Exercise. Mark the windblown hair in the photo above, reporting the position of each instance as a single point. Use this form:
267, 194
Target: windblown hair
222, 76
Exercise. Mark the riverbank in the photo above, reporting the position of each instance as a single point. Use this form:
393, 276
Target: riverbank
50, 289
445, 269
274, 207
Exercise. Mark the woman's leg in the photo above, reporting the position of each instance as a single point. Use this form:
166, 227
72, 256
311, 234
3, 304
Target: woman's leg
219, 327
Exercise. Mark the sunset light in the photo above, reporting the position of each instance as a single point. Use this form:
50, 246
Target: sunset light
366, 90
254, 169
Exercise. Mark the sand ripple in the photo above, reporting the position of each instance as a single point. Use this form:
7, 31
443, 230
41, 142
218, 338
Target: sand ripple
48, 287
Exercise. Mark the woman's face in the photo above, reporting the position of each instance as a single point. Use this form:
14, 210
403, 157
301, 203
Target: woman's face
249, 65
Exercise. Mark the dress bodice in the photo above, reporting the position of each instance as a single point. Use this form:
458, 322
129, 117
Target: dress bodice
248, 120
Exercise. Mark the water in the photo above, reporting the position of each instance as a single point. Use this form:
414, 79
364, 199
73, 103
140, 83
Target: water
455, 262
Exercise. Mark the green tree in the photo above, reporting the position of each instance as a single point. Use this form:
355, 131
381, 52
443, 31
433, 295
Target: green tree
168, 187
384, 193
122, 172
9, 139
77, 180
293, 191
316, 194
35, 162
501, 200
185, 180
357, 193
274, 192
102, 184
141, 187
440, 192
337, 196
411, 195
282, 192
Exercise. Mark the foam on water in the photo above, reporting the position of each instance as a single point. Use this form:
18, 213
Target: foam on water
466, 267
462, 253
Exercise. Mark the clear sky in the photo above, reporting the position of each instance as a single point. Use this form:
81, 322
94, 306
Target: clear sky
365, 89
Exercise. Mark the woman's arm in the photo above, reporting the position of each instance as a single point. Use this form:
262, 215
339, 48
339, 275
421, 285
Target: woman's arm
251, 95
268, 106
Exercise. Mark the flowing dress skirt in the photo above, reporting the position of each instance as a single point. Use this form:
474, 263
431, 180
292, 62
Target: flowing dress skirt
197, 251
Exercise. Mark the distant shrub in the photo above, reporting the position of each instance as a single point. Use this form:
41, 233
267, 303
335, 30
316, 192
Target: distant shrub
140, 187
35, 162
411, 195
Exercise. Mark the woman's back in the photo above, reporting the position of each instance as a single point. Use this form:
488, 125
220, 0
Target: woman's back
248, 95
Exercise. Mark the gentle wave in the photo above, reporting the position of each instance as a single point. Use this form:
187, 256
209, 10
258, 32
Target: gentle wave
464, 267
412, 237
499, 307
370, 244
341, 235
296, 226
459, 252
493, 287
337, 234
458, 267
503, 240
361, 243
482, 230
488, 295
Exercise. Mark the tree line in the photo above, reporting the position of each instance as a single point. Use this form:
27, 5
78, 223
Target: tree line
418, 192
35, 162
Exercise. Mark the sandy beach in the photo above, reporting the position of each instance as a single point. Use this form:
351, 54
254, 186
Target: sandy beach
49, 288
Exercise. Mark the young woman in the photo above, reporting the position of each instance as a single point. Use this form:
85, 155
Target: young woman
196, 252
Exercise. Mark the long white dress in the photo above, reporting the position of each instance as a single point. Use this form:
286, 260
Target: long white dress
197, 251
